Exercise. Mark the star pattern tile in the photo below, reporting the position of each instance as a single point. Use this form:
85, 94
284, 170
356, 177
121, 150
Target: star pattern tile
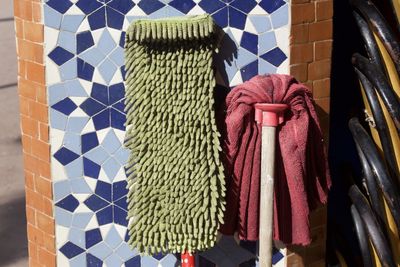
87, 115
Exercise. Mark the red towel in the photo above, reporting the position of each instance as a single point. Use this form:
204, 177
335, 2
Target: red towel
301, 172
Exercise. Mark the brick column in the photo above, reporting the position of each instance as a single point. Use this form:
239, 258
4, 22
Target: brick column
310, 63
35, 132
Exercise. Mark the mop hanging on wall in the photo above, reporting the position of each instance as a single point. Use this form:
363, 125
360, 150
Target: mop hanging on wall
175, 177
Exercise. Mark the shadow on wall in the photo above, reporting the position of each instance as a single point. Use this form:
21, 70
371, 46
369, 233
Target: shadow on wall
13, 240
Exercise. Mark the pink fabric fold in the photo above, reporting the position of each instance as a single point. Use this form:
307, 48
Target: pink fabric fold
302, 176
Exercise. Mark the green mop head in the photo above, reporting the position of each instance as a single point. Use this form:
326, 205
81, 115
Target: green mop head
175, 177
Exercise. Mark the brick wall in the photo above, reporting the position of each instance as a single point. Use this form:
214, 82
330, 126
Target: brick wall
310, 63
35, 132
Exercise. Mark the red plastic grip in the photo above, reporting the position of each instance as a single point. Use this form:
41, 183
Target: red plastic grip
269, 114
187, 260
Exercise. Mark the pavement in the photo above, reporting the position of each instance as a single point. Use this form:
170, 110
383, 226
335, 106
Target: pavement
13, 242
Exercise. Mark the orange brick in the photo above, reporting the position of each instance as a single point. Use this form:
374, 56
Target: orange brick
302, 13
35, 235
34, 262
299, 34
22, 68
324, 10
45, 223
41, 94
33, 250
29, 180
300, 1
30, 215
43, 168
324, 105
37, 12
319, 70
47, 206
321, 88
35, 72
314, 254
33, 32
38, 112
34, 199
295, 260
26, 88
30, 51
19, 29
44, 132
29, 127
301, 53
49, 243
24, 105
318, 217
23, 9
321, 30
322, 50
299, 71
43, 187
47, 258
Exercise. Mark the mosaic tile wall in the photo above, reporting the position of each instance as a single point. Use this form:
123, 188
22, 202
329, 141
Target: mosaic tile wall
84, 42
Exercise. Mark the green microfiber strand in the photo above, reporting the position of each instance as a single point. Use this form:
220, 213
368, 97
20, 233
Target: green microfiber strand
175, 177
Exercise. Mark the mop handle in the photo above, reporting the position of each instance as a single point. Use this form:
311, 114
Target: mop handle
187, 259
269, 116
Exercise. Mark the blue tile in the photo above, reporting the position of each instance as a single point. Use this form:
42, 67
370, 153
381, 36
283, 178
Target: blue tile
85, 70
84, 40
161, 13
95, 203
81, 220
134, 262
266, 42
158, 256
271, 5
122, 40
97, 20
58, 120
65, 106
72, 141
76, 124
170, 260
89, 141
101, 251
62, 217
280, 17
118, 120
125, 252
91, 107
276, 256
119, 190
211, 5
61, 189
60, 6
221, 17
77, 237
275, 56
105, 216
92, 261
75, 88
65, 156
250, 42
67, 41
261, 23
122, 203
69, 70
111, 168
150, 6
265, 67
97, 155
113, 239
106, 43
149, 261
122, 155
244, 5
249, 71
59, 55
244, 57
88, 6
103, 190
71, 250
79, 186
69, 203
111, 142
113, 260
92, 56
71, 22
117, 92
183, 5
123, 6
114, 19
78, 261
93, 237
107, 70
100, 93
52, 18
57, 92
90, 168
237, 19
120, 216
117, 56
102, 120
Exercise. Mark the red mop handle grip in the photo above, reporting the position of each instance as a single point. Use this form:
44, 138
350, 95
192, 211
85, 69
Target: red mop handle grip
269, 114
187, 259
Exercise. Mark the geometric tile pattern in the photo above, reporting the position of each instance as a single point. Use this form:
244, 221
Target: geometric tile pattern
85, 75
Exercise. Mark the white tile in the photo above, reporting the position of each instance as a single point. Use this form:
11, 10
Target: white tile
78, 113
51, 37
120, 176
77, 100
92, 224
101, 134
62, 261
89, 127
117, 78
249, 27
84, 26
121, 230
282, 39
52, 72
61, 235
97, 77
103, 176
197, 10
74, 10
91, 182
57, 171
237, 34
237, 79
86, 85
257, 10
56, 139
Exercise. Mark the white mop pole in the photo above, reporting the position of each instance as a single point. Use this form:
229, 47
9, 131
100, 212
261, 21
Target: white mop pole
269, 116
